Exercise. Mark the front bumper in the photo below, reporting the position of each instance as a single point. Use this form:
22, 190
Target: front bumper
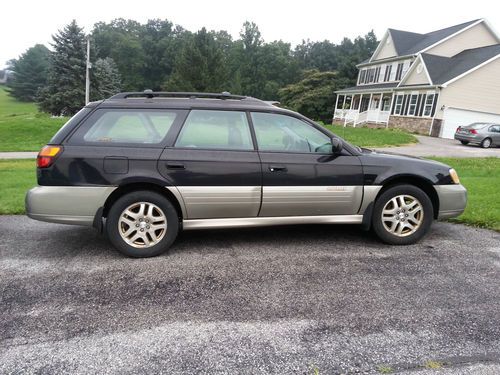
452, 200
66, 204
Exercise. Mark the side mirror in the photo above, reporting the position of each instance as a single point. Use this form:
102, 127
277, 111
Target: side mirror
336, 146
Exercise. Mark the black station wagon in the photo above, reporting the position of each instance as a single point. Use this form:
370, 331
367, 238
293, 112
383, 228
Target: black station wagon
142, 166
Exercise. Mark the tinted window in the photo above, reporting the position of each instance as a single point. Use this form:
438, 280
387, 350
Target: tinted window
216, 130
285, 133
129, 126
69, 125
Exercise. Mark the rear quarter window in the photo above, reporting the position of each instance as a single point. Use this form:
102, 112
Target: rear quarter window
126, 126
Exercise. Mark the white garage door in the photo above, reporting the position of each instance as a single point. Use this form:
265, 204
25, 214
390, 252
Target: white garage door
453, 118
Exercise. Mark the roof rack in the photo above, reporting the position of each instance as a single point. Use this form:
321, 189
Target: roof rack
191, 95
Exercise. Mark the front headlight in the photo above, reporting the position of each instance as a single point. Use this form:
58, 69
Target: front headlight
454, 176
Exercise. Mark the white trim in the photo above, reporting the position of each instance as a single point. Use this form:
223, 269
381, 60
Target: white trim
470, 70
452, 35
413, 66
492, 29
382, 43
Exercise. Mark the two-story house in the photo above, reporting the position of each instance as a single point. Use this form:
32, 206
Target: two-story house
427, 83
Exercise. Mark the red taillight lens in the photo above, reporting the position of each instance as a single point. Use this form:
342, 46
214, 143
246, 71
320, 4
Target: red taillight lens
47, 155
458, 129
473, 131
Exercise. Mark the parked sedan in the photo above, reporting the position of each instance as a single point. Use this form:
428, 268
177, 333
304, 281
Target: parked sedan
483, 134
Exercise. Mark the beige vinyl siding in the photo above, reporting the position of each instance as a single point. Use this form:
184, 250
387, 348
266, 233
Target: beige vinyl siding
476, 36
477, 91
416, 78
387, 50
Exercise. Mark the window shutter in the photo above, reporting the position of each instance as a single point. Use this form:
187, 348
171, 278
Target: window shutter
436, 97
407, 102
417, 107
422, 99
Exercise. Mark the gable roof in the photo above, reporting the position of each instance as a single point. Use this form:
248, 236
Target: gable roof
443, 69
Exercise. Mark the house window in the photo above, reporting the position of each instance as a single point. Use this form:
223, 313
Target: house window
412, 109
429, 101
362, 75
399, 104
377, 74
386, 103
387, 75
399, 71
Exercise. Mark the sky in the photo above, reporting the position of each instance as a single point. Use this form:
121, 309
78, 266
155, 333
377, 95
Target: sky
25, 23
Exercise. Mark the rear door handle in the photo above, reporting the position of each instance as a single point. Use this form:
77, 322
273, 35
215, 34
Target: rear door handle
277, 168
175, 166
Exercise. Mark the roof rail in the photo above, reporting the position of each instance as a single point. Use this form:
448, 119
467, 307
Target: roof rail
163, 94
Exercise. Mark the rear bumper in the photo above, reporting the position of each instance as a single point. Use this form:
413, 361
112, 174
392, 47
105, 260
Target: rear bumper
452, 200
66, 204
468, 138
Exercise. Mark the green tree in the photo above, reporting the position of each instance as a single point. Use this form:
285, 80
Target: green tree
314, 94
65, 90
105, 79
199, 66
30, 73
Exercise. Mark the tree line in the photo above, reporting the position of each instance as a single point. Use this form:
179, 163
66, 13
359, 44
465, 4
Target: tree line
130, 56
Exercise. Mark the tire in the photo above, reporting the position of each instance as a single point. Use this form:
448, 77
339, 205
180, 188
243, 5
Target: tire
396, 218
486, 143
146, 210
464, 142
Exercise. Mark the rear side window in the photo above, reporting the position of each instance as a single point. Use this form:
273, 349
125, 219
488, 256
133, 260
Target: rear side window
207, 129
141, 126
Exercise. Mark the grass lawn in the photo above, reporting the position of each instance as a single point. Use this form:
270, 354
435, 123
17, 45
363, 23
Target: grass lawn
367, 137
481, 177
22, 127
16, 177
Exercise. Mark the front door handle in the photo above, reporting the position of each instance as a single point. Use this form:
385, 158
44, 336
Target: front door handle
175, 166
277, 168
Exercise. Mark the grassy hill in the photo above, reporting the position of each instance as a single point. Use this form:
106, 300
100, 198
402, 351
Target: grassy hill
22, 126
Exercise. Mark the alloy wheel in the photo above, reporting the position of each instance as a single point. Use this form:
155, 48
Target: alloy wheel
142, 224
402, 215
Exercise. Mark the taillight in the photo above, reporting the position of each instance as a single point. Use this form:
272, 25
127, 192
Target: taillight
47, 155
473, 131
458, 129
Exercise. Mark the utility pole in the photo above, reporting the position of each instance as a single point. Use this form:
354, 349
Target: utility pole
87, 73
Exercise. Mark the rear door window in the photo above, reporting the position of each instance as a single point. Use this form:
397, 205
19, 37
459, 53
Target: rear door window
126, 126
223, 130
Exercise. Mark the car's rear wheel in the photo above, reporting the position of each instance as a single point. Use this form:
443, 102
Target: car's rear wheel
464, 142
486, 143
142, 224
402, 215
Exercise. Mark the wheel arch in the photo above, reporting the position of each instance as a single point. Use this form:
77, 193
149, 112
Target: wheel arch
418, 181
137, 186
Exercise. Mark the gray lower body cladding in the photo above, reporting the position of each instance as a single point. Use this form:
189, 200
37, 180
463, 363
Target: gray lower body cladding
210, 207
452, 200
66, 204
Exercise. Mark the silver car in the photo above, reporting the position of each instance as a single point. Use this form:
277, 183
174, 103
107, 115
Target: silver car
480, 133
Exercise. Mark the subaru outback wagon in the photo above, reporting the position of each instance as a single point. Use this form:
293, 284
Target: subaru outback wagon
142, 166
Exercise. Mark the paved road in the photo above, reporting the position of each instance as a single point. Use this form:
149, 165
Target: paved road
18, 155
430, 146
270, 300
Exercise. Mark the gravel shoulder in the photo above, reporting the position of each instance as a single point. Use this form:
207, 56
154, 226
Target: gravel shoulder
267, 300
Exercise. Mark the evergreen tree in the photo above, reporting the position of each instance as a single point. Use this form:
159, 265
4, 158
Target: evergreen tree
30, 73
65, 90
105, 79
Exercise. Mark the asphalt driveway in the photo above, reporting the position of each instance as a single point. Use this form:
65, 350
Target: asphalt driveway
330, 299
431, 146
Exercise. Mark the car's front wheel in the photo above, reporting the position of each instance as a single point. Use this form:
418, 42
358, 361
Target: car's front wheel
402, 215
142, 224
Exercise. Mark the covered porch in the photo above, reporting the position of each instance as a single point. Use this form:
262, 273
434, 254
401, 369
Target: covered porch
359, 108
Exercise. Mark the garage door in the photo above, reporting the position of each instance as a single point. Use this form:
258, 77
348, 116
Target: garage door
453, 118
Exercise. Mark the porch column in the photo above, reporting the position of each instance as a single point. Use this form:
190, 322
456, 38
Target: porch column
343, 101
360, 101
380, 103
337, 102
390, 108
